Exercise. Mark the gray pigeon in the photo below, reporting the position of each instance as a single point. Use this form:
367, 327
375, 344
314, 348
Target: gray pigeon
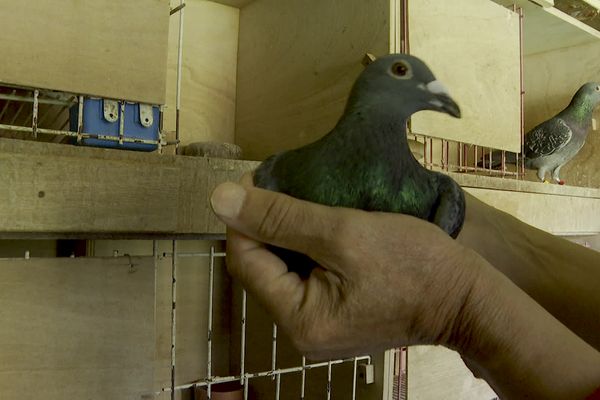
554, 142
365, 162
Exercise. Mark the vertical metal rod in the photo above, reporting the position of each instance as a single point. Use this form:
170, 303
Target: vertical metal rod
274, 350
80, 119
475, 160
211, 282
34, 119
329, 380
121, 122
503, 163
405, 27
161, 130
443, 154
245, 388
490, 165
522, 65
354, 373
303, 383
459, 155
425, 152
447, 155
173, 314
277, 386
179, 71
431, 153
243, 339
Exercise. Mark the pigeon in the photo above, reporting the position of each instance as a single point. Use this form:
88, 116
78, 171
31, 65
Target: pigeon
365, 161
554, 142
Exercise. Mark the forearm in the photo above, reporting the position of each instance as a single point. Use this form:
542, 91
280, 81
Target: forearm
522, 351
561, 276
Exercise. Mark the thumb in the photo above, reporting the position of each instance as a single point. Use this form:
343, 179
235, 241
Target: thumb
275, 218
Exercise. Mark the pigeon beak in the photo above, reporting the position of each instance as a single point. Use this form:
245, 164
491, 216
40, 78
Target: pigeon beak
442, 100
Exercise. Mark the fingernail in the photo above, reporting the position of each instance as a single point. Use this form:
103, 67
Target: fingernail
227, 199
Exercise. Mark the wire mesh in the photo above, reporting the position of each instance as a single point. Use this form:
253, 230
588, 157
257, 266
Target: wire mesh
244, 378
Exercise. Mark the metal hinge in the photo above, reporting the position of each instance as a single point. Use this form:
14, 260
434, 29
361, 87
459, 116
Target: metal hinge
111, 110
146, 115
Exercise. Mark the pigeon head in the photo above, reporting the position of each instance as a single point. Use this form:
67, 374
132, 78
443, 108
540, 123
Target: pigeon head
402, 84
589, 92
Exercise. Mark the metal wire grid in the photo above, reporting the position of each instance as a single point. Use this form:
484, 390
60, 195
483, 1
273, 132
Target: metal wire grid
36, 119
244, 377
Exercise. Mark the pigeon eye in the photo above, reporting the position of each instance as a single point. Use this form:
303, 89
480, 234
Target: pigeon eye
597, 88
401, 70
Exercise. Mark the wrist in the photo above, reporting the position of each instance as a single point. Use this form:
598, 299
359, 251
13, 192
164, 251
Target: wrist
508, 339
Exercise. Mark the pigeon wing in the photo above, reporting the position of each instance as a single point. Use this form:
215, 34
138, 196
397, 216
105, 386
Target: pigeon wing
547, 138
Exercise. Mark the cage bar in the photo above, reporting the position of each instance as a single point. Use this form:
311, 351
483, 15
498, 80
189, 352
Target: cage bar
211, 284
179, 72
274, 350
329, 380
34, 118
80, 119
243, 338
303, 378
354, 376
278, 387
173, 314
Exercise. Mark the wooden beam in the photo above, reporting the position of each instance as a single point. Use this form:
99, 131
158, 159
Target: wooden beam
60, 190
66, 191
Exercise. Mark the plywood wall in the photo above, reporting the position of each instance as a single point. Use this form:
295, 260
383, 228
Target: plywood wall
192, 309
297, 62
473, 47
209, 72
76, 328
435, 372
113, 48
551, 79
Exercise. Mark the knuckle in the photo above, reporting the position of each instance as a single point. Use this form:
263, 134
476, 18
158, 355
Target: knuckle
277, 219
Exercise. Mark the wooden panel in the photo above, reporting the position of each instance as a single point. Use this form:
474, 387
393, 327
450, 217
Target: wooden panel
107, 48
76, 328
295, 73
455, 39
209, 72
435, 372
560, 215
192, 317
62, 189
545, 30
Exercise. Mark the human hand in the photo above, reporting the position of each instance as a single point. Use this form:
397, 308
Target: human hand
384, 279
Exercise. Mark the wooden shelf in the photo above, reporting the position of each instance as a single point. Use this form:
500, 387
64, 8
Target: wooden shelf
58, 191
547, 28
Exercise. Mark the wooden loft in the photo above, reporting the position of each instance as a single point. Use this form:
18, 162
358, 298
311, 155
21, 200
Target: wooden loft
66, 191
